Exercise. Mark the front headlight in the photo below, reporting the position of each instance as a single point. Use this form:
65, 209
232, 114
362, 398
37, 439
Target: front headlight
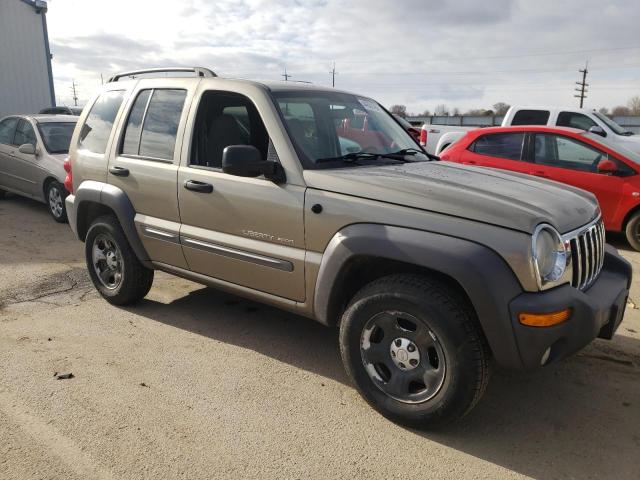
550, 255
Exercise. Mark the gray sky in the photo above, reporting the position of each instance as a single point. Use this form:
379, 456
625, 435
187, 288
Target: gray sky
420, 53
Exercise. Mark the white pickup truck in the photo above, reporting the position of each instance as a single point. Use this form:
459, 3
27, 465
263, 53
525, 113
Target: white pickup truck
435, 138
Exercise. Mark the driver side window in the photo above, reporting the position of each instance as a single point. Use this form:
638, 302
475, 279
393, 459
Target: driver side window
564, 152
25, 134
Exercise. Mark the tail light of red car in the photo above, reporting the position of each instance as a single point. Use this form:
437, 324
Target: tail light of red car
68, 181
423, 137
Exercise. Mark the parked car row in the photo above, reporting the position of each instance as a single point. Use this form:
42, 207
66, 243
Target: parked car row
319, 202
436, 138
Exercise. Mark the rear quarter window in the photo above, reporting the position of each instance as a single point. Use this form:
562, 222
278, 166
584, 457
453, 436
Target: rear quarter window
530, 117
502, 145
97, 128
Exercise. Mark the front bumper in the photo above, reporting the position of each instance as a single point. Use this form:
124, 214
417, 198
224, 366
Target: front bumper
596, 312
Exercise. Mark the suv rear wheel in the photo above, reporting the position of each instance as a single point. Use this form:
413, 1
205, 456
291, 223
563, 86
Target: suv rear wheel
113, 267
415, 351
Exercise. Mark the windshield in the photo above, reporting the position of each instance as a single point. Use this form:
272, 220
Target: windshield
56, 136
611, 124
330, 125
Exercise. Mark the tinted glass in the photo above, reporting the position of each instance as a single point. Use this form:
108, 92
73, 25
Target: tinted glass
56, 136
134, 124
565, 152
97, 128
530, 117
158, 138
25, 134
575, 120
8, 130
503, 145
226, 119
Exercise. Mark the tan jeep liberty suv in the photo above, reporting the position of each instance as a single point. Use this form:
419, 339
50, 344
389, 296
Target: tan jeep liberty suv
317, 201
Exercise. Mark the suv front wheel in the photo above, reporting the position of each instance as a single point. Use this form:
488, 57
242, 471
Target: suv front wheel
414, 349
113, 266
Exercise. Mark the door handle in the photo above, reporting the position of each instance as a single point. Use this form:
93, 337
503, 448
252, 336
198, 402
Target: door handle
119, 171
472, 162
539, 173
197, 186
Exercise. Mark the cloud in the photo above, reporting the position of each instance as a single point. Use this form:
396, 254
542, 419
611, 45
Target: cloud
420, 53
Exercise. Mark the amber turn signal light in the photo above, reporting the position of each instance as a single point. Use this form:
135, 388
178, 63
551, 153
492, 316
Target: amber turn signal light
544, 319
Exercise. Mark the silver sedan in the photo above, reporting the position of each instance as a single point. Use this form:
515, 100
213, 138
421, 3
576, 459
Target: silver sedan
32, 152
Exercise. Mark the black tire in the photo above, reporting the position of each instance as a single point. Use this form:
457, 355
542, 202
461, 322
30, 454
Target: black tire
632, 231
55, 195
449, 317
134, 280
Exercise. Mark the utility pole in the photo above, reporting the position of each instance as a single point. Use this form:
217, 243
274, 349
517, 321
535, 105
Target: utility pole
75, 95
101, 80
582, 86
333, 75
286, 75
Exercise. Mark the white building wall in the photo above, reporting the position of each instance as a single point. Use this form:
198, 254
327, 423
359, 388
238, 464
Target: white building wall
25, 79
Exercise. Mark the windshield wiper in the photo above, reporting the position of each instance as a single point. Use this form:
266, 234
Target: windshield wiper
355, 156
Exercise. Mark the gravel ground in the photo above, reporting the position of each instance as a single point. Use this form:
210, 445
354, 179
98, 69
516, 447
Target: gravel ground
193, 383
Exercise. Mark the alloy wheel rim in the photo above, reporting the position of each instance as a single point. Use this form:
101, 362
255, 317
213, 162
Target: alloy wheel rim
403, 357
107, 261
55, 201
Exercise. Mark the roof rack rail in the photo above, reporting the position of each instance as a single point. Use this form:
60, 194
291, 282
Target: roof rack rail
199, 71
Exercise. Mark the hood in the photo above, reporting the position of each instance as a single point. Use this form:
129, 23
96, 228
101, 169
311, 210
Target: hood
632, 142
498, 197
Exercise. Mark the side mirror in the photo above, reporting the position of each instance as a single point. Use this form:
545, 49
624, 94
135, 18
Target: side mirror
246, 161
597, 131
607, 166
27, 149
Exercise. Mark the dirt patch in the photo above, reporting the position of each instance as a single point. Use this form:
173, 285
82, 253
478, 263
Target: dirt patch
52, 289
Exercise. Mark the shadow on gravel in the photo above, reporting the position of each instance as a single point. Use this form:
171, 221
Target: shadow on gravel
560, 422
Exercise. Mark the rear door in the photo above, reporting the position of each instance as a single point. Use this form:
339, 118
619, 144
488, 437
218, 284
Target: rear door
571, 161
498, 150
145, 163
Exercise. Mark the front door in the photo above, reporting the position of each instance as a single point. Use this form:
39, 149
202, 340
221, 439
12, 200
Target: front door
7, 150
246, 231
26, 167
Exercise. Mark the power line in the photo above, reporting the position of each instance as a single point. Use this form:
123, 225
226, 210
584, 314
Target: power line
286, 75
582, 86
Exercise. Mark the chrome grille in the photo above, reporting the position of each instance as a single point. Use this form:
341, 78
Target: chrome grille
587, 253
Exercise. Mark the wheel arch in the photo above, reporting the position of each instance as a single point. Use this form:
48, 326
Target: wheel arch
94, 199
362, 253
632, 211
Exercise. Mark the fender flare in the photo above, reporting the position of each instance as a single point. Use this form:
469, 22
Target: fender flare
448, 139
486, 278
117, 200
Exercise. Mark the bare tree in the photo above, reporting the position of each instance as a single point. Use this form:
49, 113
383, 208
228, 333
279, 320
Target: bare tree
476, 112
426, 113
604, 111
400, 110
501, 108
441, 110
621, 110
634, 105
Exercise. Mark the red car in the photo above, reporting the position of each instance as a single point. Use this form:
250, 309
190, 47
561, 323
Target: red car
566, 155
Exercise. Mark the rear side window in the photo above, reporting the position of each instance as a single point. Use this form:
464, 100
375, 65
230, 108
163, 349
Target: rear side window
97, 128
530, 117
8, 130
25, 134
152, 125
575, 120
503, 145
